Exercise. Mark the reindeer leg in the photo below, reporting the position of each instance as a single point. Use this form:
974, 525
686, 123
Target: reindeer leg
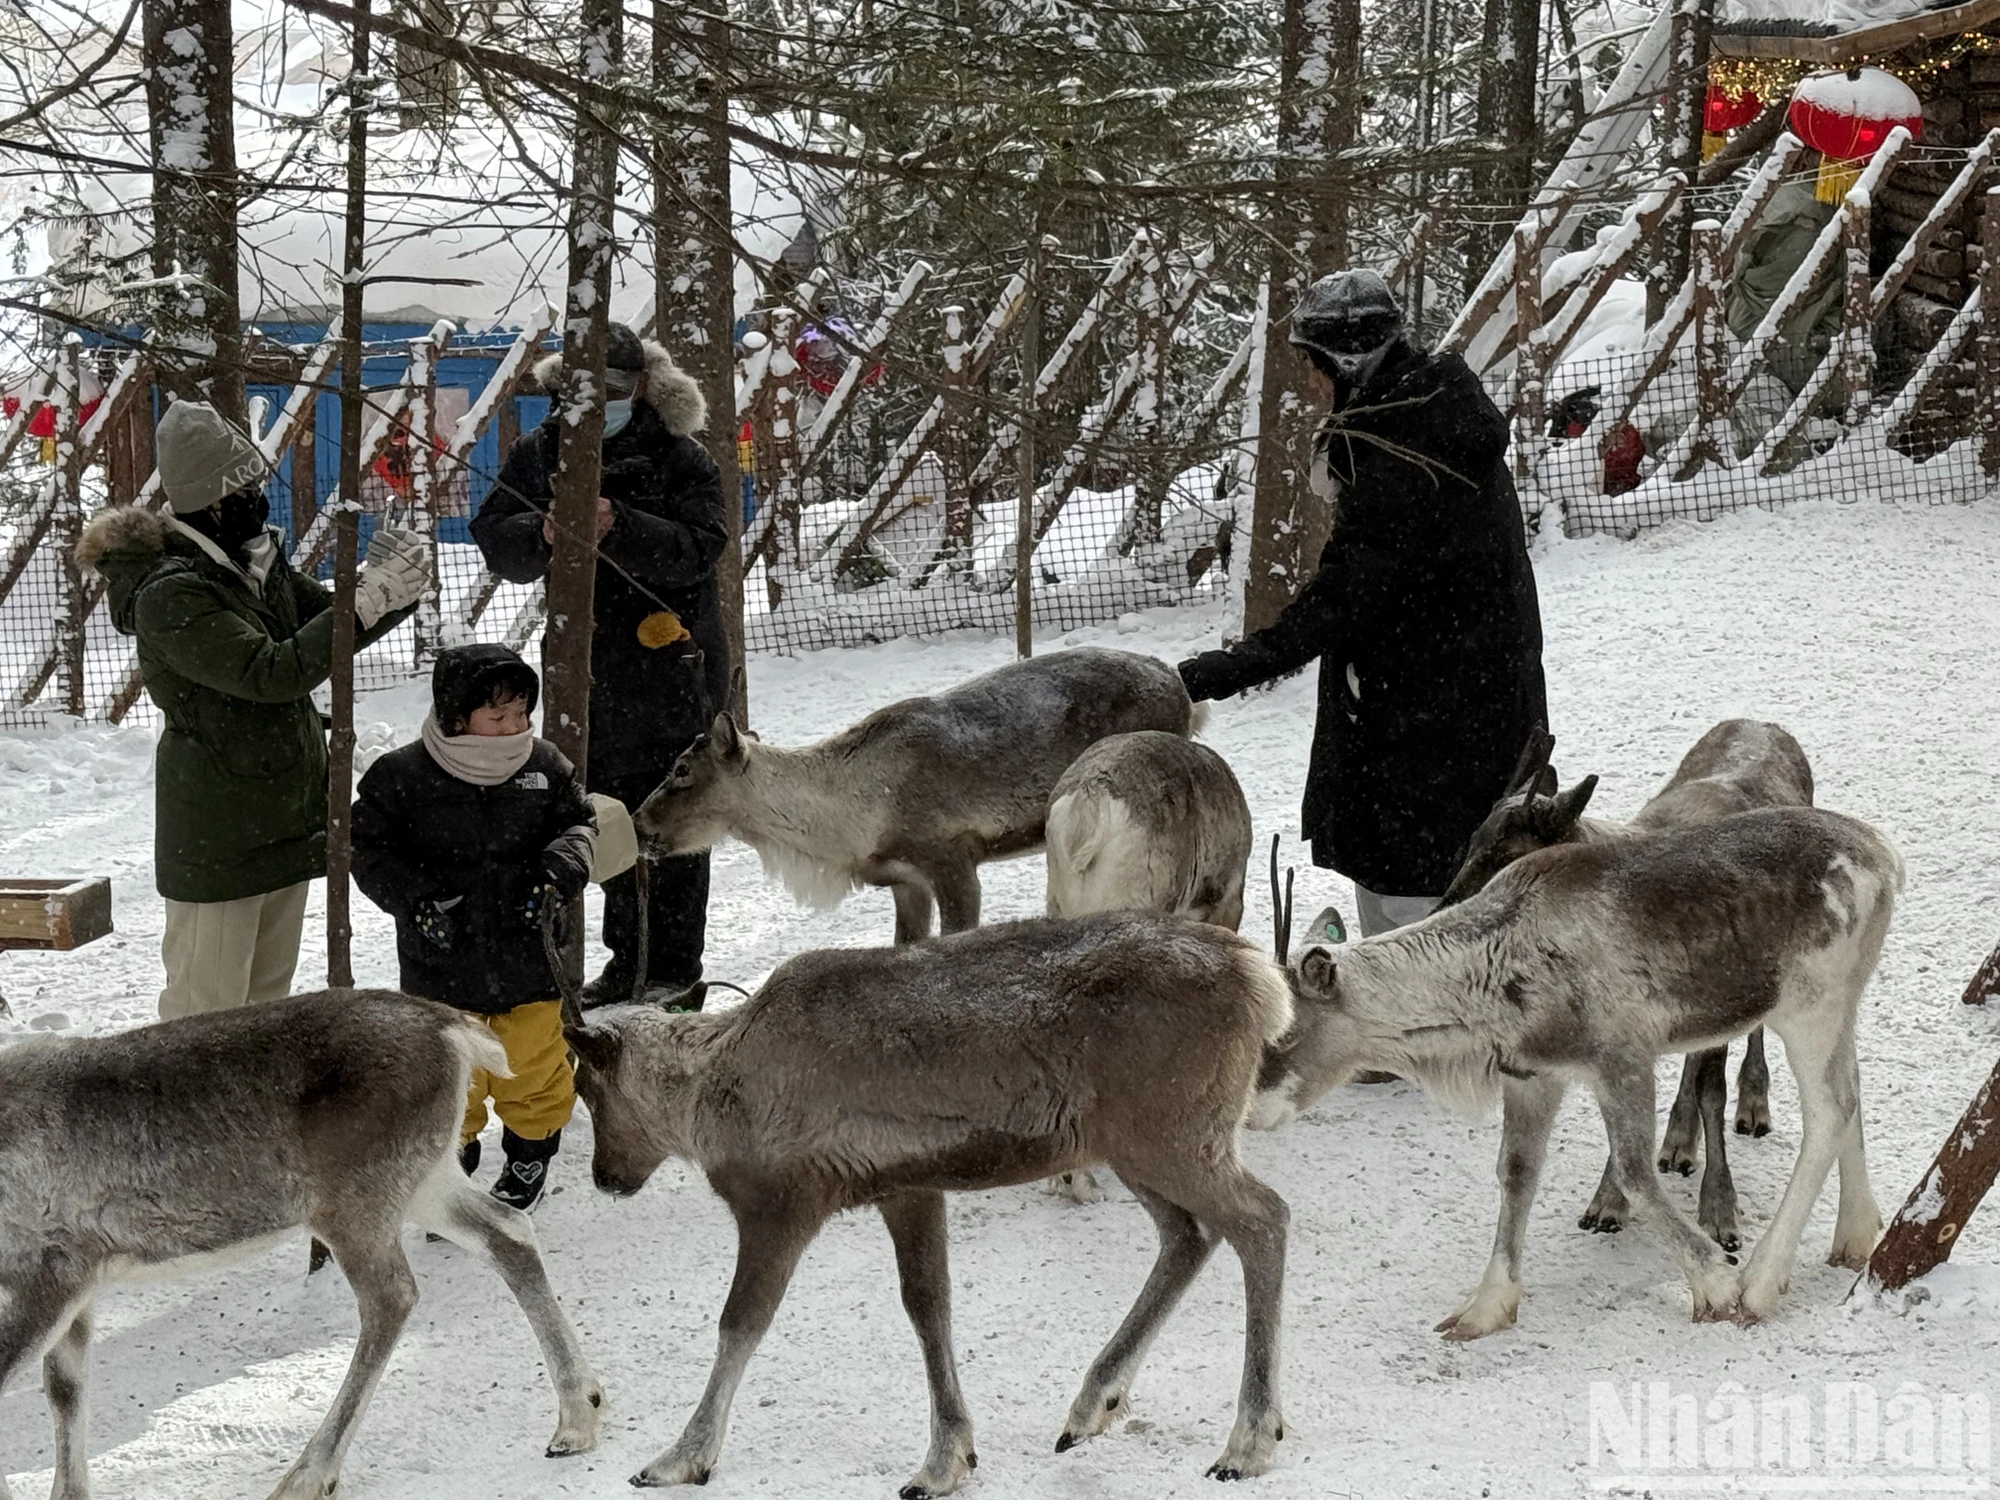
957, 887
386, 1291
1829, 1110
65, 1372
1753, 1089
506, 1238
1624, 1088
917, 1226
1858, 1223
913, 911
769, 1241
1184, 1249
1608, 1210
1253, 1218
1529, 1114
1717, 1211
1684, 1119
52, 1300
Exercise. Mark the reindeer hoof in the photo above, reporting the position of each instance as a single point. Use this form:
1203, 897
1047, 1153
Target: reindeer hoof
1600, 1223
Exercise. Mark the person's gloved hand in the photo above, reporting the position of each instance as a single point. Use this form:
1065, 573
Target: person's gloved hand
565, 863
1213, 674
542, 895
438, 923
397, 541
384, 587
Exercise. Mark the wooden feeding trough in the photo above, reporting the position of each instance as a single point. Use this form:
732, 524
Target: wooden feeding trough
52, 914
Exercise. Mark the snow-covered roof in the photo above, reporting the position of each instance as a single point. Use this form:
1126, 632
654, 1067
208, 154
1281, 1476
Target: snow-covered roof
1836, 31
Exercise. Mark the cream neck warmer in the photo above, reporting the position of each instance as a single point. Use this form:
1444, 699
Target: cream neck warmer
482, 759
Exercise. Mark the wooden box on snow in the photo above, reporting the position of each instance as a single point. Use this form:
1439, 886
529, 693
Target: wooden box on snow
53, 913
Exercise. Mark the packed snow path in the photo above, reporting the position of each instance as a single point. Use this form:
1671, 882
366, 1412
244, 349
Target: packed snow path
1868, 630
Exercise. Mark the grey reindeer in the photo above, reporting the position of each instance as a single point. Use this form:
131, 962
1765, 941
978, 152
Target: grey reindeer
338, 1111
1586, 962
1147, 821
1737, 766
890, 1076
917, 795
1151, 821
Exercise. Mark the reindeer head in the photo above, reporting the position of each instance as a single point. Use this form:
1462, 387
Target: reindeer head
1314, 1055
1531, 814
696, 807
637, 1070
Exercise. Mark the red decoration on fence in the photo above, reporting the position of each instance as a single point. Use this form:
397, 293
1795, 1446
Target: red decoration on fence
822, 357
1846, 117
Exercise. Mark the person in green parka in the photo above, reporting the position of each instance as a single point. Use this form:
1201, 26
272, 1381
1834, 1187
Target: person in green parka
231, 643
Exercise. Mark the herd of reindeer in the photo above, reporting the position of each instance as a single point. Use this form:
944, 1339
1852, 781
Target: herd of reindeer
1132, 1029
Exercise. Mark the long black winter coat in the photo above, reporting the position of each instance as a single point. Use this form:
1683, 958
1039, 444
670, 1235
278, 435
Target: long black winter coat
1424, 617
647, 701
423, 835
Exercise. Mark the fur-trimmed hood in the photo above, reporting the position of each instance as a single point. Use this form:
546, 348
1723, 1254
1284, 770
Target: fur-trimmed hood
121, 528
670, 390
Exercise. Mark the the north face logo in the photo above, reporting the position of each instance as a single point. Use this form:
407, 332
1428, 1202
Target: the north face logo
532, 781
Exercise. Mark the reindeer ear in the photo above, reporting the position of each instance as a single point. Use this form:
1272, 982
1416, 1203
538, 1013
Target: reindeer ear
1545, 782
1316, 973
1559, 816
596, 1045
727, 739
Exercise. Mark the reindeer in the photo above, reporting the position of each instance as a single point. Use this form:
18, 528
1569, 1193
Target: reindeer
1588, 961
890, 1076
337, 1110
1149, 821
919, 794
1738, 766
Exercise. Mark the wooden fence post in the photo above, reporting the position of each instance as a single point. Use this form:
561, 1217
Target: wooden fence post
1920, 1237
1857, 316
1530, 383
68, 527
1026, 470
1989, 334
1711, 351
1151, 475
422, 449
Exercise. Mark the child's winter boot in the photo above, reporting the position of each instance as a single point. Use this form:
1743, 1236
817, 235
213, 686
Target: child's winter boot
526, 1172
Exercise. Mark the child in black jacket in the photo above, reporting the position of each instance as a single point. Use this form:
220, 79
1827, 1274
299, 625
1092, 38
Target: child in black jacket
465, 837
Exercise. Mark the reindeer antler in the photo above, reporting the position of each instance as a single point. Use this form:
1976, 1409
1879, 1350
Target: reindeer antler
1281, 904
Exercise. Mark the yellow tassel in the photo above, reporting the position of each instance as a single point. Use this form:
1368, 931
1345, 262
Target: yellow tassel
48, 450
662, 628
1835, 178
1712, 144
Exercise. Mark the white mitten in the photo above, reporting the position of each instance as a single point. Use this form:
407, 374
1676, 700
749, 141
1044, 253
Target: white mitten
397, 541
385, 587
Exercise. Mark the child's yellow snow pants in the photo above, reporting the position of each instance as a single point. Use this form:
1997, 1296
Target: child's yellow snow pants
536, 1102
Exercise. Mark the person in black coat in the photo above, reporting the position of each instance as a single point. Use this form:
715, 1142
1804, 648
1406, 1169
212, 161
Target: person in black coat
659, 660
1422, 611
466, 838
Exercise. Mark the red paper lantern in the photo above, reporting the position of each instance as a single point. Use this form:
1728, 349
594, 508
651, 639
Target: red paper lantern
1722, 112
1846, 117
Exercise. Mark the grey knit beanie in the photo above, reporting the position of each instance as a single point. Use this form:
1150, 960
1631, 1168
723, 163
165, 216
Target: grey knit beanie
203, 457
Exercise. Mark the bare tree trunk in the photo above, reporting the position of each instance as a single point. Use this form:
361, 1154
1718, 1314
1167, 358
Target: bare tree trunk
346, 524
190, 65
1680, 151
1506, 113
1307, 229
694, 272
572, 585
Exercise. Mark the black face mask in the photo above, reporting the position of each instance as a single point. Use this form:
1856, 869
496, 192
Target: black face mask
235, 520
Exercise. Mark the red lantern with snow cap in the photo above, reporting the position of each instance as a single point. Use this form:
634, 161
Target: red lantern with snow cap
1846, 117
1722, 112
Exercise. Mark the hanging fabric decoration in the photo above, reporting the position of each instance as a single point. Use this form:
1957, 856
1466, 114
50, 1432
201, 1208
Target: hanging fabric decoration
1722, 112
1846, 117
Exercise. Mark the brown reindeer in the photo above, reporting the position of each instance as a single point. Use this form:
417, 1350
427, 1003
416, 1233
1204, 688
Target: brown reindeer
891, 1076
1738, 766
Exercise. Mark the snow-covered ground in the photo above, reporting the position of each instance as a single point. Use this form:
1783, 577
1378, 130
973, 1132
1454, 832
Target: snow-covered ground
1868, 630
